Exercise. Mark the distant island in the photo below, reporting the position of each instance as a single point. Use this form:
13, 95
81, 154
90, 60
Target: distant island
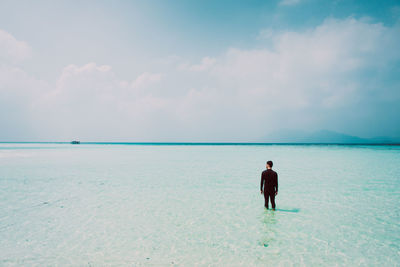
323, 136
75, 142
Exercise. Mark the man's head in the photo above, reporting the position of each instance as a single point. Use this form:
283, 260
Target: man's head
269, 164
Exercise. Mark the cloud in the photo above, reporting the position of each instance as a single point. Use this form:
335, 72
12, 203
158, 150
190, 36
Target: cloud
205, 64
330, 69
320, 77
12, 50
340, 75
91, 102
18, 90
146, 79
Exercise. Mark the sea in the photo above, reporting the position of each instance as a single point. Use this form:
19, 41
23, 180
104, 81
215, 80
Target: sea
198, 204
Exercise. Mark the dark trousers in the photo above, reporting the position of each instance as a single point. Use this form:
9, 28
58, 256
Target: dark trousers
270, 195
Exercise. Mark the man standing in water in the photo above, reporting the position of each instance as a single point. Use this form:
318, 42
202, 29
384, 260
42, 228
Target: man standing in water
269, 179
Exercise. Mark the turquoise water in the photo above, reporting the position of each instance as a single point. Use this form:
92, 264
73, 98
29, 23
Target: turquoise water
185, 205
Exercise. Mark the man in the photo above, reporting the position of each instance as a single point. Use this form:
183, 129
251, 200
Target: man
269, 179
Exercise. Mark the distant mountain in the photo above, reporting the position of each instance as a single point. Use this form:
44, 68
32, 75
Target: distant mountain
323, 136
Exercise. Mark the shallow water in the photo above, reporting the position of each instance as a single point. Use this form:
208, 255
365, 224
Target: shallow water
181, 205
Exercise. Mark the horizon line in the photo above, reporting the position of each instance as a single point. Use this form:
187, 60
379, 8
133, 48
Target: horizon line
201, 143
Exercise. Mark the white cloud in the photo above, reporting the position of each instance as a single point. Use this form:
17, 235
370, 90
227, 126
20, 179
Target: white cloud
12, 50
18, 90
304, 75
146, 79
90, 102
316, 78
205, 64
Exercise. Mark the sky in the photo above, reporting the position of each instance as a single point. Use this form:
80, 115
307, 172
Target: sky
197, 71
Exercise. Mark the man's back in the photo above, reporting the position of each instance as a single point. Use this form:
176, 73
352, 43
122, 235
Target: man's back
269, 179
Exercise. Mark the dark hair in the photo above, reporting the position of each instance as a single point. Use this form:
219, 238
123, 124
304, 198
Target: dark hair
270, 163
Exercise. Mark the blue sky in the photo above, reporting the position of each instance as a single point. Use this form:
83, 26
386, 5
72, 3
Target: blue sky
197, 70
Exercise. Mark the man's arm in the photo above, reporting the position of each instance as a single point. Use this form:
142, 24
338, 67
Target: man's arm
276, 186
262, 183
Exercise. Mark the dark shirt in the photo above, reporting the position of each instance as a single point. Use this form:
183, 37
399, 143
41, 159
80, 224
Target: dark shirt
269, 179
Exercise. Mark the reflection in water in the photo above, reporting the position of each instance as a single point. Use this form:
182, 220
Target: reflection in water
268, 221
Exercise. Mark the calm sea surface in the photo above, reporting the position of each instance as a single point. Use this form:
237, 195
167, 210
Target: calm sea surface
185, 205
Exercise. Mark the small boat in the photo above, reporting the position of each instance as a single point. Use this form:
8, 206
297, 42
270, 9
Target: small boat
75, 142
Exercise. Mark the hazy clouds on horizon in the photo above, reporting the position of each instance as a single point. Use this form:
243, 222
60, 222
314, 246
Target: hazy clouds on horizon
230, 71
